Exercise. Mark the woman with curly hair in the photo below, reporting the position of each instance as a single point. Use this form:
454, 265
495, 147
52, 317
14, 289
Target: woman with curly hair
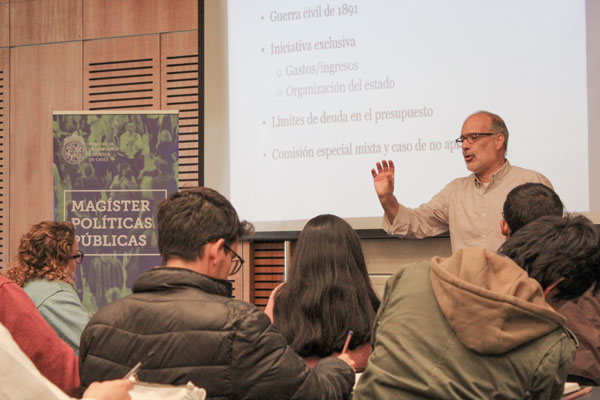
45, 265
327, 294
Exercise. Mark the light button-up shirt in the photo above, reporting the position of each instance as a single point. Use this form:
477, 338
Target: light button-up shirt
468, 208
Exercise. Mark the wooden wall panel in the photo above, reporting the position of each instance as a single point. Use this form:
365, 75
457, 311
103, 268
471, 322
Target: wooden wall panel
43, 79
269, 270
45, 21
4, 25
122, 73
110, 18
4, 156
179, 91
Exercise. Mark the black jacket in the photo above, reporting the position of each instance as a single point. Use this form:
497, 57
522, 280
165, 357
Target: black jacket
195, 331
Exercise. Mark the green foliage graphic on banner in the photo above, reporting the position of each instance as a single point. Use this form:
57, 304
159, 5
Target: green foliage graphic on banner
111, 171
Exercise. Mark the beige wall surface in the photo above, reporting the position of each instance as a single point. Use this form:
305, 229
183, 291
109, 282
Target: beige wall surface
386, 256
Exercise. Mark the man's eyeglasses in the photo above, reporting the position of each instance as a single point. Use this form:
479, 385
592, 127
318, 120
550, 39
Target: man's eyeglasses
78, 257
472, 137
236, 261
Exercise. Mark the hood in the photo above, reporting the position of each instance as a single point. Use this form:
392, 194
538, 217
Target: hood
490, 302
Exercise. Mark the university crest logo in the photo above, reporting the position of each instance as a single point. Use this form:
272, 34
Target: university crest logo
73, 150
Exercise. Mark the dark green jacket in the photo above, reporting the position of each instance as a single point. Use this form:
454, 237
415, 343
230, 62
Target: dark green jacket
472, 326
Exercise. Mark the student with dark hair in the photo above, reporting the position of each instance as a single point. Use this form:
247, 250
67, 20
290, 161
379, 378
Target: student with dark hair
526, 203
183, 324
327, 293
560, 253
481, 325
583, 311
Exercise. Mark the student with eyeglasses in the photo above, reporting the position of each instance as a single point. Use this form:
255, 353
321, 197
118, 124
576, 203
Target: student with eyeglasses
183, 314
468, 207
44, 267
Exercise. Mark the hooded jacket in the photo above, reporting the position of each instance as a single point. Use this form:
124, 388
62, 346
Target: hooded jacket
185, 327
583, 317
471, 326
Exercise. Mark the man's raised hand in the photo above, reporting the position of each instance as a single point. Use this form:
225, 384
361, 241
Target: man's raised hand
383, 178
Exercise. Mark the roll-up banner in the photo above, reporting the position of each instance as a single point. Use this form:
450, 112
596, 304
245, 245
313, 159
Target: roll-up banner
111, 171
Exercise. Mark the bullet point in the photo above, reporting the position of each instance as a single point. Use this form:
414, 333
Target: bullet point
262, 17
263, 49
264, 122
279, 73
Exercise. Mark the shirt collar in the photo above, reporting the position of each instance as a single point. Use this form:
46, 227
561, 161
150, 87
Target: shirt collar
499, 174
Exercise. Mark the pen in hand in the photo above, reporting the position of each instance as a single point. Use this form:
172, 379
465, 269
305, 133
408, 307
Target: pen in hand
136, 367
347, 342
133, 370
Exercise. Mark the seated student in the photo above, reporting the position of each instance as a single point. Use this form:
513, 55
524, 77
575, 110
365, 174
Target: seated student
327, 293
183, 324
583, 318
524, 204
477, 325
52, 357
20, 379
528, 202
45, 264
